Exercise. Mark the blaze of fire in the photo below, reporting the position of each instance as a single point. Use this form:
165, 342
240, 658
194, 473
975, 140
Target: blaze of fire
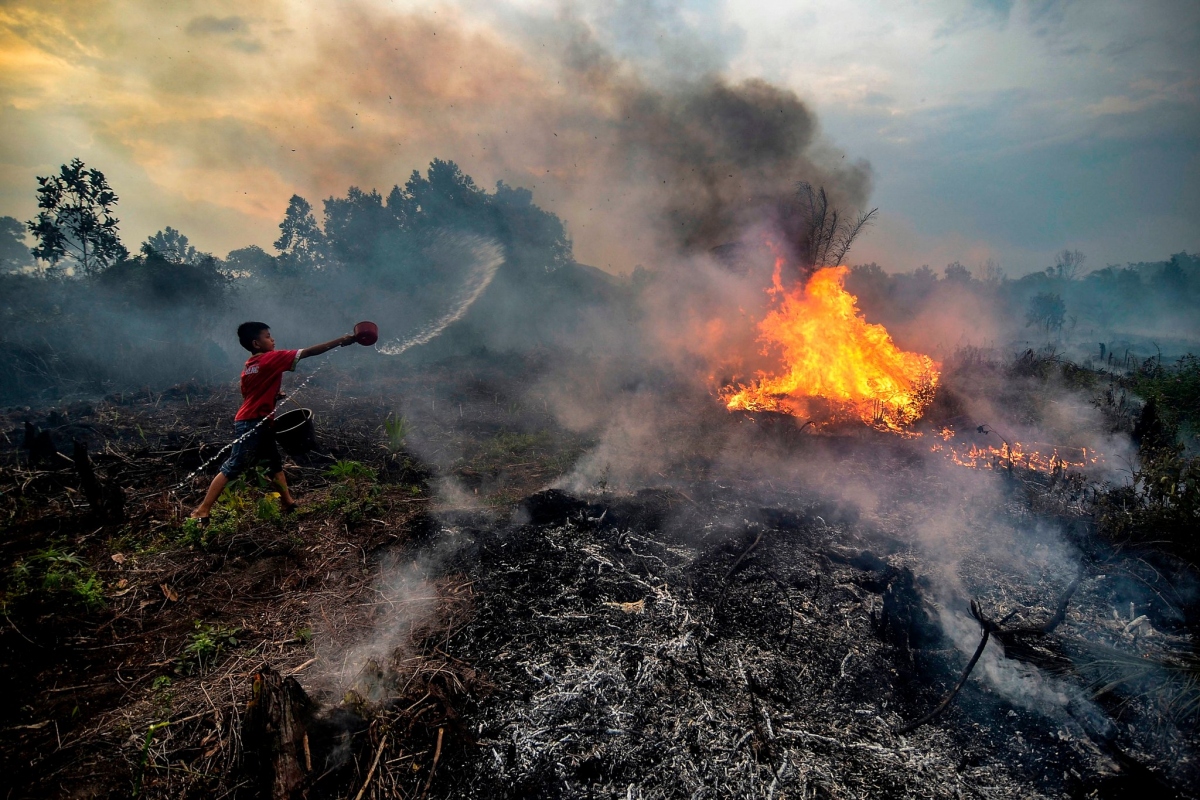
830, 353
1007, 457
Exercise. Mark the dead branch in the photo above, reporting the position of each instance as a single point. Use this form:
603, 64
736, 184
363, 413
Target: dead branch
737, 563
987, 627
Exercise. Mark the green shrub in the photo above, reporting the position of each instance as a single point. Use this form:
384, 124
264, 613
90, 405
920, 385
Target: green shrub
58, 574
350, 470
268, 509
1161, 507
396, 429
203, 647
1175, 388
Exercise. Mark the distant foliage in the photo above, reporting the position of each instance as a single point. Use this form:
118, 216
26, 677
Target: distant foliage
1046, 311
15, 255
172, 246
1141, 300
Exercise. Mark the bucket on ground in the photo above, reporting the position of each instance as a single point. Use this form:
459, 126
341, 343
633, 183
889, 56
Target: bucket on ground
294, 431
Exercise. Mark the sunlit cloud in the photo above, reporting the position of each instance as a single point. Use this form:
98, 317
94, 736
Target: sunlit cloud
978, 118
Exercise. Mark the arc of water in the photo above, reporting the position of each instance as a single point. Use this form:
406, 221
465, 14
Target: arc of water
488, 259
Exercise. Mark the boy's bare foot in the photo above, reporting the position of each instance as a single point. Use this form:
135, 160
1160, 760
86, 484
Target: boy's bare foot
286, 507
201, 520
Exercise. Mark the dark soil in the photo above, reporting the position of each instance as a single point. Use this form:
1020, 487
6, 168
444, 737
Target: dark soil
758, 622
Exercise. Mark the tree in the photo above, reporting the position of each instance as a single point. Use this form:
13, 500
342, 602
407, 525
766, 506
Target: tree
300, 240
354, 224
76, 222
172, 246
820, 232
1047, 311
1067, 264
957, 273
14, 253
251, 261
993, 273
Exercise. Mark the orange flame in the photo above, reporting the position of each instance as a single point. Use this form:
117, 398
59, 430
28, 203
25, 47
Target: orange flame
1014, 456
835, 362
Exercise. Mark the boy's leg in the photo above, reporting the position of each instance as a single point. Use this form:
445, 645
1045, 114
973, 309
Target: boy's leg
286, 501
270, 451
244, 447
214, 491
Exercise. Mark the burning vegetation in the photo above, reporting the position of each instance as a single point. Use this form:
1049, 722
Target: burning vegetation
834, 364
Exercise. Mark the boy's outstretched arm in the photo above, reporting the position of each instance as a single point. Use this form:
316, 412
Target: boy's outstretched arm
318, 349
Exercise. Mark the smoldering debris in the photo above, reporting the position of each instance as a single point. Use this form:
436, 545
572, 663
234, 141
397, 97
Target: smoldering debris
760, 624
693, 656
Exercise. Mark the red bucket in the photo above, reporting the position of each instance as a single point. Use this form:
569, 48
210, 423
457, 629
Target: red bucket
366, 333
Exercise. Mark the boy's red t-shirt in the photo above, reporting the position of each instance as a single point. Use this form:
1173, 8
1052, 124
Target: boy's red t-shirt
261, 378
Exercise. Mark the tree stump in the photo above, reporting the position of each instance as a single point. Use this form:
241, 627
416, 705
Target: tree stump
106, 499
276, 754
41, 447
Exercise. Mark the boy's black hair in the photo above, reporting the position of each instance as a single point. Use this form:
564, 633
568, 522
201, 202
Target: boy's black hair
249, 331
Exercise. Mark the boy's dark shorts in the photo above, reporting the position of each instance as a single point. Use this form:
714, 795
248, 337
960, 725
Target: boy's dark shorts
258, 446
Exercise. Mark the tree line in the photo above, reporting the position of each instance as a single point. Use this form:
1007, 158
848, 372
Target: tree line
80, 310
1055, 305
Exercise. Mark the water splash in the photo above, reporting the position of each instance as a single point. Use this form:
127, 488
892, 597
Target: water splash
487, 257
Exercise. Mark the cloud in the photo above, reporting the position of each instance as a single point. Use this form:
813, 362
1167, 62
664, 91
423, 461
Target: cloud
213, 116
209, 26
637, 150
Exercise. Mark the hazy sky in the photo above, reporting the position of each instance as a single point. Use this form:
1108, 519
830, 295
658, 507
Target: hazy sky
997, 129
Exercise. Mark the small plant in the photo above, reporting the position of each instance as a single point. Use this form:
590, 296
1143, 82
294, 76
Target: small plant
162, 692
58, 573
349, 470
268, 509
235, 500
605, 477
203, 647
396, 428
305, 634
224, 522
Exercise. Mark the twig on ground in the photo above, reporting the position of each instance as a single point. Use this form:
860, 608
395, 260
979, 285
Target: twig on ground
437, 753
374, 764
734, 568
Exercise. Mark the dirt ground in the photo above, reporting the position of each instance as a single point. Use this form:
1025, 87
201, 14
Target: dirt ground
462, 630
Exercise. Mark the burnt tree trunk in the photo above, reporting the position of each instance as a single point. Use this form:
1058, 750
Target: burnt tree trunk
276, 753
41, 447
106, 499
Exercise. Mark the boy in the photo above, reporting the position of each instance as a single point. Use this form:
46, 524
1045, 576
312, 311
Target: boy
261, 378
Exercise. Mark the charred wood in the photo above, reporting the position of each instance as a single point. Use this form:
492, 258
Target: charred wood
274, 733
106, 498
987, 628
41, 448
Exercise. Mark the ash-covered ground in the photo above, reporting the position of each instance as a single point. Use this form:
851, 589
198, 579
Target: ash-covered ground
507, 607
740, 640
